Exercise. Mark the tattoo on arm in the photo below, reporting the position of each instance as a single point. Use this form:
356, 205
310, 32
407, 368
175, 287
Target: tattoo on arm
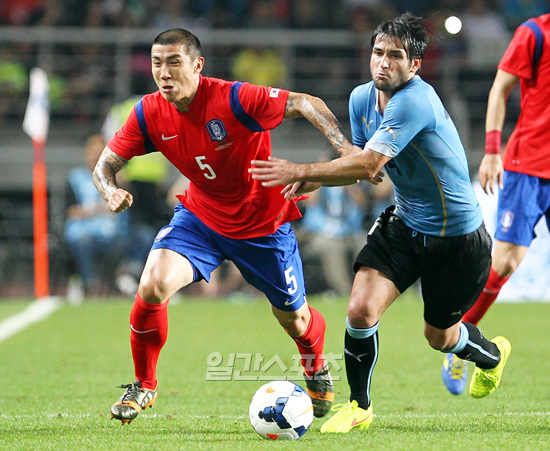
105, 172
317, 112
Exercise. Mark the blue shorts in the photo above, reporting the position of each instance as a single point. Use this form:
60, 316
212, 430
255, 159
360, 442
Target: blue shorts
521, 204
270, 263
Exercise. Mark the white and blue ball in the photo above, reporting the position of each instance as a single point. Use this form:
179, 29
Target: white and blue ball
281, 410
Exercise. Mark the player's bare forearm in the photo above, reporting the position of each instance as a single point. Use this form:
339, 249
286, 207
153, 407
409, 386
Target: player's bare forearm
105, 171
503, 85
104, 177
341, 171
316, 111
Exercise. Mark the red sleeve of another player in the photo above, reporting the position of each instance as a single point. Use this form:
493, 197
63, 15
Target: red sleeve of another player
518, 58
266, 105
128, 142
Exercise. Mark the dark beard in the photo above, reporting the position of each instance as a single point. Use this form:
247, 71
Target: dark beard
389, 87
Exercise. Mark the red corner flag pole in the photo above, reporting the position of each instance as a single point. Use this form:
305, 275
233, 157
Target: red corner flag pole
40, 226
35, 124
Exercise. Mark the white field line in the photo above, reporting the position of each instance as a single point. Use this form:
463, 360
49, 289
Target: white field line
36, 311
157, 416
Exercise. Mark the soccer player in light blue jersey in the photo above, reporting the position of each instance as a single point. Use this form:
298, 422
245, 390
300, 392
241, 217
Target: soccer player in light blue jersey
434, 233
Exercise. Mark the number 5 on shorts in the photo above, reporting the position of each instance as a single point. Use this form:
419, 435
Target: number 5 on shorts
291, 281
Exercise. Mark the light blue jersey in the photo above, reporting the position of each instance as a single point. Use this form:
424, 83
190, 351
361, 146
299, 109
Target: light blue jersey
429, 169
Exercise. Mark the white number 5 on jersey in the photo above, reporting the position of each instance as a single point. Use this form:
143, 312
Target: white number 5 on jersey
208, 171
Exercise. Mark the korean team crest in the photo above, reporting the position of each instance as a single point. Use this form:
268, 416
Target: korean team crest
506, 220
216, 130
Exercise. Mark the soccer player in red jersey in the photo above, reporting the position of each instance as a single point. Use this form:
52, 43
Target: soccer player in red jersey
211, 129
523, 176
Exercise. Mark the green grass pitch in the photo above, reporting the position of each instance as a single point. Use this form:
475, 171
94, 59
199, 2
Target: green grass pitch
60, 376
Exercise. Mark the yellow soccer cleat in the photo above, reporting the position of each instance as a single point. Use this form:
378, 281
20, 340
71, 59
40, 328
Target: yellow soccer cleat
349, 416
484, 382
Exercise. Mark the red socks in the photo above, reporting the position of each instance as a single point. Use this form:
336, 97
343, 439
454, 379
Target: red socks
486, 298
149, 329
312, 342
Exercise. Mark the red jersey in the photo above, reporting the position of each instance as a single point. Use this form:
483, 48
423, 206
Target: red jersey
226, 126
528, 149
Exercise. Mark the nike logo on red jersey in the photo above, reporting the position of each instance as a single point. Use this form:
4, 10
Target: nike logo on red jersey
166, 138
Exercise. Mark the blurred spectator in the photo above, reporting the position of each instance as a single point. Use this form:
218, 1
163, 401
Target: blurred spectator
256, 64
91, 229
50, 13
266, 14
174, 14
260, 66
95, 16
136, 13
111, 13
14, 81
377, 10
86, 80
311, 13
18, 12
485, 34
332, 230
116, 12
335, 224
320, 67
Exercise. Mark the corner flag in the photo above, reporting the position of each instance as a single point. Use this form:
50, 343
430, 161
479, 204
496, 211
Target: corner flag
36, 124
37, 115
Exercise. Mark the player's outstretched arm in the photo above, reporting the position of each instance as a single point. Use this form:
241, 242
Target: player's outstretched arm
104, 177
491, 168
316, 111
341, 171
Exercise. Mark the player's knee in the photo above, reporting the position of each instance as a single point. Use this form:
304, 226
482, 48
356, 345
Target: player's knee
361, 314
295, 326
439, 342
505, 265
152, 289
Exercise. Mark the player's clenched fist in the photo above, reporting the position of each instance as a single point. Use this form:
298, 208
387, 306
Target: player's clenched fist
120, 200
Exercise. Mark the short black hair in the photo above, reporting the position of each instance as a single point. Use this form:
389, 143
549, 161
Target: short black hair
180, 36
410, 31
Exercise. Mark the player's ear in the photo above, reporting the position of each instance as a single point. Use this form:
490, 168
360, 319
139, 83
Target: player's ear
415, 65
198, 65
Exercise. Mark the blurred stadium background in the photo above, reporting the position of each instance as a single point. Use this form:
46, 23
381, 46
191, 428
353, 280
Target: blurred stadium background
96, 54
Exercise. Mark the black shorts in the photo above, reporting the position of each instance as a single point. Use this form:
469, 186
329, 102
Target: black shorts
452, 270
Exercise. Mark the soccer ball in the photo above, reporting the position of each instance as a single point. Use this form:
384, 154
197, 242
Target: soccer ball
281, 410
